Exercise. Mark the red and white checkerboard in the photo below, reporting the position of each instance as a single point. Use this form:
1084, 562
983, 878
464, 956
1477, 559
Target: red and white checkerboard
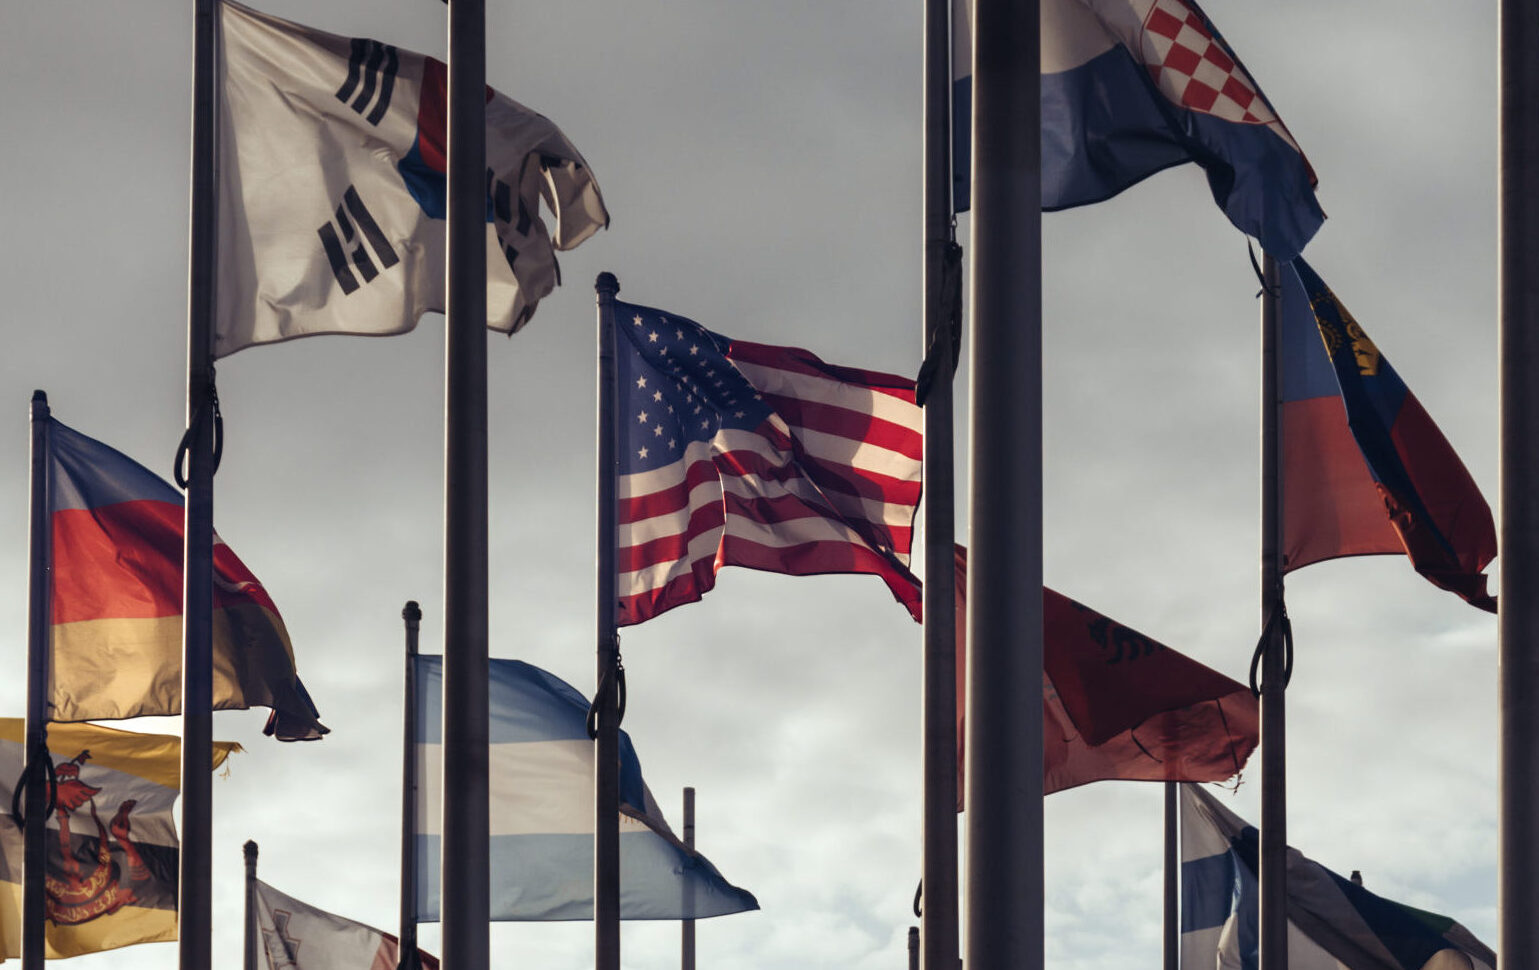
1192, 68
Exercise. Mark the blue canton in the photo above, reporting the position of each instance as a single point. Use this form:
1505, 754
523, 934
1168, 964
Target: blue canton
675, 386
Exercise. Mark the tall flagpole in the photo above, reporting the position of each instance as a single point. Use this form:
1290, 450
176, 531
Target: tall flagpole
1004, 896
1273, 878
466, 872
687, 933
606, 788
1172, 867
938, 921
411, 614
39, 629
195, 891
1518, 288
249, 956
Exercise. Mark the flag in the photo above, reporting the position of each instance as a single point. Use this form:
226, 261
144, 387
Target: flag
111, 846
1117, 705
542, 811
297, 936
332, 189
1131, 87
1333, 924
116, 559
740, 454
1364, 468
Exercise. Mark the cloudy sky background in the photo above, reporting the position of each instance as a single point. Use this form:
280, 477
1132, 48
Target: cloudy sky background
762, 165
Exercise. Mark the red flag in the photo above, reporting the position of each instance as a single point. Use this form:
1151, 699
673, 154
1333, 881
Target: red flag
1117, 705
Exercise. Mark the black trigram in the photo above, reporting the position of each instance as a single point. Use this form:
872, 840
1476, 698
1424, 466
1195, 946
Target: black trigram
364, 76
503, 198
367, 231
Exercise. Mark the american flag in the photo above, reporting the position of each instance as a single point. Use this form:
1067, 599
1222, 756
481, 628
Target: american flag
740, 454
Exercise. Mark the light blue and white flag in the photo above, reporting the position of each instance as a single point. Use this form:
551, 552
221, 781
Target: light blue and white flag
1333, 924
541, 763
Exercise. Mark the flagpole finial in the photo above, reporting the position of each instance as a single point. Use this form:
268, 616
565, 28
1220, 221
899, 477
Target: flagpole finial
411, 611
250, 849
39, 397
607, 284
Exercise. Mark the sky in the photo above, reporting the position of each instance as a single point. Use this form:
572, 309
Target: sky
761, 164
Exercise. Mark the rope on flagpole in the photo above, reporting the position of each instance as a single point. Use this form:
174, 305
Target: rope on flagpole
1277, 620
185, 446
593, 706
41, 762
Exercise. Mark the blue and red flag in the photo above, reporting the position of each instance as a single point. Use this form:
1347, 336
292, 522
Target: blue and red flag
1365, 470
1133, 87
116, 555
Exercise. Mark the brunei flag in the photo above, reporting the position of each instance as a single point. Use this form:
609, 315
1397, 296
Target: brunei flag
116, 557
1365, 470
332, 189
111, 847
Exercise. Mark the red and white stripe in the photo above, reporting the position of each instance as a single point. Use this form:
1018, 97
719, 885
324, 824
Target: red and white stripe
829, 483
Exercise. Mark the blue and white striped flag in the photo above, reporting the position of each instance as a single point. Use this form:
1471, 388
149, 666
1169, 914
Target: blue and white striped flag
1333, 924
541, 763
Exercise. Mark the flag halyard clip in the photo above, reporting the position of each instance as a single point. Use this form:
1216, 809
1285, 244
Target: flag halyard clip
1255, 265
951, 303
185, 447
593, 707
41, 763
1277, 620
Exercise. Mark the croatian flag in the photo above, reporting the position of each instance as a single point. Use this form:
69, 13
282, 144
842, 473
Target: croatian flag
1333, 923
1365, 470
116, 554
1131, 87
542, 811
733, 453
293, 935
332, 189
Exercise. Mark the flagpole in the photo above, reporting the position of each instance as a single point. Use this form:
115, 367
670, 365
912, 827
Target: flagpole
606, 789
1518, 325
687, 949
1004, 895
938, 921
1172, 866
195, 889
250, 955
1273, 878
412, 615
39, 628
466, 871
913, 948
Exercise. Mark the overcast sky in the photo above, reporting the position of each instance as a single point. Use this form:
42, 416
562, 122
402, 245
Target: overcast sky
761, 162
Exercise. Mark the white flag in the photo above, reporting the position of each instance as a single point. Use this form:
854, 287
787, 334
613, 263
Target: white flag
332, 189
297, 936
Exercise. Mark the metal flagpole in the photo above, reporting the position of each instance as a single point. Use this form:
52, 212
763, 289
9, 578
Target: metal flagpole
687, 950
913, 948
1004, 897
1273, 878
466, 873
1172, 866
195, 891
606, 789
412, 615
1518, 288
253, 930
39, 628
938, 921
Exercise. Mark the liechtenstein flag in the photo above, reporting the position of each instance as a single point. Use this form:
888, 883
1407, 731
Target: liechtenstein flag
1132, 87
1365, 470
331, 189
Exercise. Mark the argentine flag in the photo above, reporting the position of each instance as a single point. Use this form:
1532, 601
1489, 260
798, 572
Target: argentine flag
541, 764
1333, 924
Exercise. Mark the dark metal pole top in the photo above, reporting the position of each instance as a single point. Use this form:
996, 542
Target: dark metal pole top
411, 611
607, 284
250, 849
40, 397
